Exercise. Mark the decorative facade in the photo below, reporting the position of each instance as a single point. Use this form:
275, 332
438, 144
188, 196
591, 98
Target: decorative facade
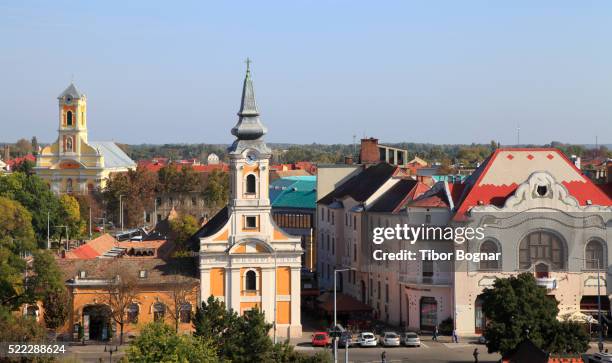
246, 260
73, 164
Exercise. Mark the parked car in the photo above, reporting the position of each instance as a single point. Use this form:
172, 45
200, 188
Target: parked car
346, 339
366, 339
320, 339
600, 357
390, 339
482, 340
411, 339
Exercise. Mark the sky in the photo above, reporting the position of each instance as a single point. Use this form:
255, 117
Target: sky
414, 71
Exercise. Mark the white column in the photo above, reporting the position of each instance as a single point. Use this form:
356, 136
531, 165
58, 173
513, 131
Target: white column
295, 296
267, 293
234, 289
204, 284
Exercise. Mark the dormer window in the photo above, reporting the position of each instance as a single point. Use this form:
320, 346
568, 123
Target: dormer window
541, 190
142, 274
82, 274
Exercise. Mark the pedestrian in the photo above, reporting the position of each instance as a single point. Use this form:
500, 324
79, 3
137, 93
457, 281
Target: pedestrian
475, 354
383, 357
435, 334
455, 337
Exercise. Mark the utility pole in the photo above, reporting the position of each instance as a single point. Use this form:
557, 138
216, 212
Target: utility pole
121, 210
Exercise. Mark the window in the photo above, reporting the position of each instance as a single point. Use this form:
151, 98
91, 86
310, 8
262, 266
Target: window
82, 274
489, 247
159, 311
371, 284
185, 313
194, 202
327, 243
594, 255
69, 118
142, 274
322, 214
69, 144
354, 252
333, 245
333, 218
427, 270
251, 222
132, 313
541, 246
355, 223
250, 281
427, 218
378, 290
250, 184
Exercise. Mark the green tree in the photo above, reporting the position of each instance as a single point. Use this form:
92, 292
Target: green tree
56, 309
70, 214
183, 227
214, 322
216, 192
16, 328
517, 308
254, 343
34, 143
34, 194
16, 239
159, 342
570, 338
136, 189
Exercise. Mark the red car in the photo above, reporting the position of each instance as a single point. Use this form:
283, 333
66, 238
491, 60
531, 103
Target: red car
320, 339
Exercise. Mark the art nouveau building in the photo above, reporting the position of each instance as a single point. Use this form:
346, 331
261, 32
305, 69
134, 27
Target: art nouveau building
536, 208
73, 164
246, 260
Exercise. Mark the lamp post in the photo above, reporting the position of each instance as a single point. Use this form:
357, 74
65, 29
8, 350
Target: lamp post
121, 210
110, 352
335, 312
600, 344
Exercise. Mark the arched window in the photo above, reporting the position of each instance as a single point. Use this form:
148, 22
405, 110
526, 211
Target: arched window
69, 186
489, 247
428, 313
159, 311
250, 184
250, 281
542, 246
69, 118
69, 144
185, 313
594, 255
132, 313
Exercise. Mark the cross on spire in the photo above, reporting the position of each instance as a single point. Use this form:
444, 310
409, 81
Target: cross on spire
248, 62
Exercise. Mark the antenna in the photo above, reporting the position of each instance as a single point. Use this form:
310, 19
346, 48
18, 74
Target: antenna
518, 134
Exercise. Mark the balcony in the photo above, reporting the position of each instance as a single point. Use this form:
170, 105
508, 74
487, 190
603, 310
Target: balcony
436, 280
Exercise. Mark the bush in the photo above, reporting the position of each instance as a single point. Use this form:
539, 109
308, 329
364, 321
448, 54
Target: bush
446, 326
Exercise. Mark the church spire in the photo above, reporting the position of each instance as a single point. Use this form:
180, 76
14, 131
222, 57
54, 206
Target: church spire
248, 127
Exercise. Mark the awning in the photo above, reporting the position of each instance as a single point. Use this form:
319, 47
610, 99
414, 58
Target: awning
344, 303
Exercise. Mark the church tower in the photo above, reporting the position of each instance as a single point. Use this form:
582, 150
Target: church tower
246, 260
72, 121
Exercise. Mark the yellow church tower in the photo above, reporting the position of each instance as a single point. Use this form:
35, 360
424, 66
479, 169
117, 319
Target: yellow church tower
246, 260
73, 164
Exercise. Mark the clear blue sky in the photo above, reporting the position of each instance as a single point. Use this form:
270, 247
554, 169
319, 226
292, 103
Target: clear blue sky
426, 71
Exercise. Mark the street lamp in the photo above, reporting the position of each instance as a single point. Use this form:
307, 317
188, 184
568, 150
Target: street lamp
600, 344
335, 312
121, 210
110, 352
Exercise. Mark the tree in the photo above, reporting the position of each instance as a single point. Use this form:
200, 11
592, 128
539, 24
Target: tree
34, 144
34, 194
253, 342
22, 147
214, 322
137, 188
56, 309
517, 308
181, 288
70, 214
183, 227
216, 192
16, 238
120, 291
158, 342
16, 328
570, 338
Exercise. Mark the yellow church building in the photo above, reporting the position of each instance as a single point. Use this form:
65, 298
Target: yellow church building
73, 164
246, 260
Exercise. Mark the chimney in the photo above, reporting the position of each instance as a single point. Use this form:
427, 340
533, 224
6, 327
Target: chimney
369, 153
576, 160
348, 160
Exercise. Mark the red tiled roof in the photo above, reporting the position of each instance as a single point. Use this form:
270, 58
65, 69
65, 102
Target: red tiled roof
16, 161
499, 176
94, 248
